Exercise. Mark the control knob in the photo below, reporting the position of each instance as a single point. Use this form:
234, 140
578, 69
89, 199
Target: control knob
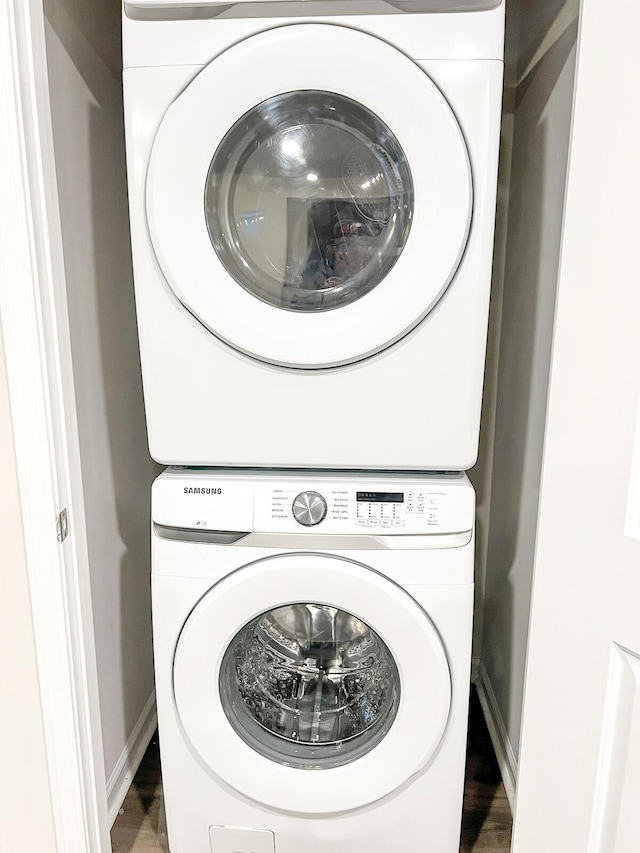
309, 508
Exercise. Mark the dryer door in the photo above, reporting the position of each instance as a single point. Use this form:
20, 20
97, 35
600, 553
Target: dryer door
311, 683
309, 196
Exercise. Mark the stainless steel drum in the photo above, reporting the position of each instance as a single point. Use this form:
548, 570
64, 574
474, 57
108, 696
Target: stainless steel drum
309, 685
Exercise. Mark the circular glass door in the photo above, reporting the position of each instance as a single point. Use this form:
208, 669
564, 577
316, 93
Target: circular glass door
309, 685
307, 216
308, 201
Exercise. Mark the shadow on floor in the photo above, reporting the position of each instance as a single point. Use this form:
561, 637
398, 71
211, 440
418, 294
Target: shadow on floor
486, 816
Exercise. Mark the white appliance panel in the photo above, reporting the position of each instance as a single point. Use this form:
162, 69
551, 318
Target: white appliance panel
413, 405
224, 502
206, 596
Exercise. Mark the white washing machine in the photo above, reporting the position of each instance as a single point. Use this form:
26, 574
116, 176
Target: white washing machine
312, 640
312, 190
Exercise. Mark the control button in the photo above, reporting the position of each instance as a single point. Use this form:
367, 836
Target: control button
386, 522
362, 522
374, 522
398, 522
309, 508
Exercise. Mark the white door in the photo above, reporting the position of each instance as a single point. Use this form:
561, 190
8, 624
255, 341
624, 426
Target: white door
299, 205
579, 775
311, 683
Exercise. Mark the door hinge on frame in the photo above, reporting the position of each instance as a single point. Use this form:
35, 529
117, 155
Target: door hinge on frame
62, 525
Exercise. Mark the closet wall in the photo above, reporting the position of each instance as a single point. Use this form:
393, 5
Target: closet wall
538, 105
83, 47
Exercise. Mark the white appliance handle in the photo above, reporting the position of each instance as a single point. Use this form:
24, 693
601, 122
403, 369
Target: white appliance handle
401, 5
317, 541
161, 4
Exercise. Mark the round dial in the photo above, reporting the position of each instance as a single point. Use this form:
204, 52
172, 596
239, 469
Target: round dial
309, 508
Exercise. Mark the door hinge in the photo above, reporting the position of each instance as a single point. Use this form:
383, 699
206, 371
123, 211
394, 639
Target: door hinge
62, 525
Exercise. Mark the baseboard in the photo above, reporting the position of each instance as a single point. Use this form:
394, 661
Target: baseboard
120, 779
475, 664
505, 755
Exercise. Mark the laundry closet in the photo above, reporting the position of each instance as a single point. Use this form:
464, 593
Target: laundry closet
83, 46
83, 42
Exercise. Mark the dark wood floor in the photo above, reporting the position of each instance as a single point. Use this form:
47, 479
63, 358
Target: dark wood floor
486, 816
486, 820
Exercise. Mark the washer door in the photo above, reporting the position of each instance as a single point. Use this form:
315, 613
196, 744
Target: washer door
309, 195
311, 683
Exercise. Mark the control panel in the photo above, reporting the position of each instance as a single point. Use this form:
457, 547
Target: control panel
412, 508
416, 505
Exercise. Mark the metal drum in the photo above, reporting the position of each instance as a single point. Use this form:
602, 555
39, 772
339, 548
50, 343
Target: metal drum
309, 685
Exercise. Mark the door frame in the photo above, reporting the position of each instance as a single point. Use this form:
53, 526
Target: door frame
40, 379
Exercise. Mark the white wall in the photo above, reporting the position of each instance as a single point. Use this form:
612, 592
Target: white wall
542, 99
480, 475
26, 818
83, 46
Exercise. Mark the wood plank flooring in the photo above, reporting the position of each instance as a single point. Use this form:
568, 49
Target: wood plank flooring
486, 815
486, 820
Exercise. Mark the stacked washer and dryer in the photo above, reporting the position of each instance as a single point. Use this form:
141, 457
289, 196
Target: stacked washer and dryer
312, 189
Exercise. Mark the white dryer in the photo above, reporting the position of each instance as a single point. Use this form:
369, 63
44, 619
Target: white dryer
312, 639
312, 190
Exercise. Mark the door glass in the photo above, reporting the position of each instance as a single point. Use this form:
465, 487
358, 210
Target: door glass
308, 201
309, 686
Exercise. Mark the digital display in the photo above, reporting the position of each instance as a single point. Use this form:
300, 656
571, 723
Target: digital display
381, 497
